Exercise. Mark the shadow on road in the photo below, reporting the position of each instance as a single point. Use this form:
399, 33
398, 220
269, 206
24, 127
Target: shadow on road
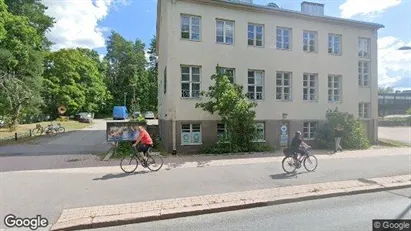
121, 175
283, 176
363, 180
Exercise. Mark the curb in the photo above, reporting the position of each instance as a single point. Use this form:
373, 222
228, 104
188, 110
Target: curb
310, 192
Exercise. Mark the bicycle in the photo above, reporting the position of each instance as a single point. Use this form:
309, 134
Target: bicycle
295, 163
134, 159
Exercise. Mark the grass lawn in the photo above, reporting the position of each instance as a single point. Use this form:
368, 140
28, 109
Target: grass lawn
25, 128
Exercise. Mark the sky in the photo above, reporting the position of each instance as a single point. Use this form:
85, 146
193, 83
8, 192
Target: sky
87, 23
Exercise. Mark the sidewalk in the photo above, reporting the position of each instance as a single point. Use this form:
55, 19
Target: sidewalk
112, 215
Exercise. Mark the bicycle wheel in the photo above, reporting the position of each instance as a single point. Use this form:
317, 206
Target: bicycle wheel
61, 130
37, 132
310, 160
289, 161
154, 162
129, 164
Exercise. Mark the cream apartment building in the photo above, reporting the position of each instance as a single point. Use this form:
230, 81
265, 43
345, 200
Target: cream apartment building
294, 64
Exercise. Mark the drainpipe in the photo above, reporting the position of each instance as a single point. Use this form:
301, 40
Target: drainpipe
174, 131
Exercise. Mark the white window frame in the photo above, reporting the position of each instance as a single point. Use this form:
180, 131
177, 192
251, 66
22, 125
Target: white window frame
311, 36
280, 94
332, 41
364, 47
259, 125
332, 89
224, 134
190, 27
225, 30
307, 79
363, 76
281, 36
225, 69
190, 82
308, 127
364, 111
255, 85
254, 34
191, 132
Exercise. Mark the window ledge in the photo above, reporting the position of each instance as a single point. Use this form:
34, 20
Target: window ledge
311, 52
190, 98
283, 49
310, 101
190, 40
259, 141
222, 43
192, 144
335, 102
332, 54
361, 86
284, 101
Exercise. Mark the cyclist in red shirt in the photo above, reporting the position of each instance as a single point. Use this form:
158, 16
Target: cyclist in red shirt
145, 140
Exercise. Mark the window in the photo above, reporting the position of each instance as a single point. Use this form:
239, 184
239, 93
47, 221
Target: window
334, 88
190, 27
255, 35
255, 84
260, 132
363, 73
334, 44
310, 87
190, 81
165, 80
364, 110
222, 132
190, 134
283, 38
310, 129
310, 41
230, 72
283, 86
364, 48
225, 32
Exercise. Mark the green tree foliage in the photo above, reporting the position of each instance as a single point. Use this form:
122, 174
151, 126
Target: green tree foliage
21, 57
385, 90
152, 79
72, 79
126, 74
236, 111
354, 134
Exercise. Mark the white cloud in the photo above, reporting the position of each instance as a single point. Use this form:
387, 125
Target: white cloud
77, 22
367, 8
391, 60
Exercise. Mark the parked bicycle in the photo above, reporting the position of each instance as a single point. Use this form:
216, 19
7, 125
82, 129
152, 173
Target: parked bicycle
130, 163
290, 160
49, 129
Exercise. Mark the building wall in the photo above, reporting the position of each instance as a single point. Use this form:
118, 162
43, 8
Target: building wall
207, 54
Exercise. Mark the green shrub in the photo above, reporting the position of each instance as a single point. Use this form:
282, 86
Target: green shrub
225, 148
354, 136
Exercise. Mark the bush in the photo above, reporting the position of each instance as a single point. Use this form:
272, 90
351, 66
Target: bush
354, 136
62, 119
225, 148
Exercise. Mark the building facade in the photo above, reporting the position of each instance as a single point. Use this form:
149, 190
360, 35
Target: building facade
393, 103
295, 65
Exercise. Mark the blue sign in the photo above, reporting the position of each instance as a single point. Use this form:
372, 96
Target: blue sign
284, 139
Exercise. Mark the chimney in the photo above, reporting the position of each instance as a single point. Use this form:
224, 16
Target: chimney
312, 8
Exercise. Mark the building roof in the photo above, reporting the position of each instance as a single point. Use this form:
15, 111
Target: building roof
297, 13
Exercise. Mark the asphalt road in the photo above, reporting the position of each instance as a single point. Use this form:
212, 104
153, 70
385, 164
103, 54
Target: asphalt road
90, 140
402, 134
48, 192
343, 213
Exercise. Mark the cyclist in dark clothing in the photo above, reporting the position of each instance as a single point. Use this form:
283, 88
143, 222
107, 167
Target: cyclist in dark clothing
296, 144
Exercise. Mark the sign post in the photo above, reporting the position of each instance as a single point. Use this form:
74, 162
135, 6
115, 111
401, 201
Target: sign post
284, 136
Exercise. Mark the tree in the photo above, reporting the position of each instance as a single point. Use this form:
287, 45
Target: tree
152, 77
72, 79
126, 74
354, 134
382, 90
234, 108
21, 57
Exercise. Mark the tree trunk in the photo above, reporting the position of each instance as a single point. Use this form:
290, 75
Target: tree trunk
13, 122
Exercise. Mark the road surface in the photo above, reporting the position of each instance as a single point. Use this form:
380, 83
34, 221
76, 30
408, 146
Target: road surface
48, 192
90, 140
342, 213
401, 134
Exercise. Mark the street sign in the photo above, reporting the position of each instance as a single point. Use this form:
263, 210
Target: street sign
284, 129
